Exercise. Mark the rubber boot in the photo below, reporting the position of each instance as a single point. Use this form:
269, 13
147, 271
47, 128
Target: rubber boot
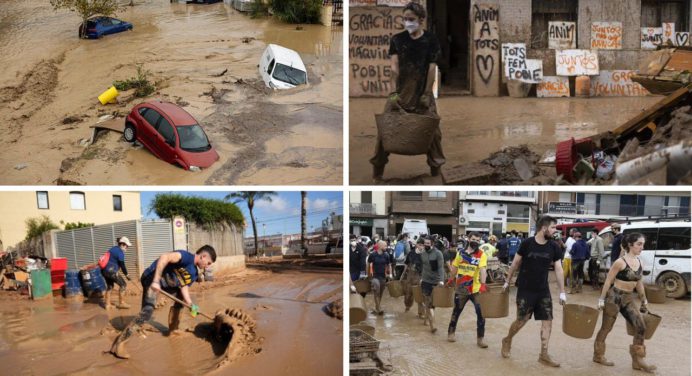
545, 359
121, 300
377, 172
434, 171
480, 343
433, 329
451, 337
638, 353
506, 347
107, 300
174, 320
599, 349
579, 285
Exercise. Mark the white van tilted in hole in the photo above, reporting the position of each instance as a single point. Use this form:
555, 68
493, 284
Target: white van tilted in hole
282, 68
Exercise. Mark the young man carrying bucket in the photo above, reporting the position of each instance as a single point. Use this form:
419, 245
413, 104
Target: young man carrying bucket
412, 274
173, 272
380, 272
469, 271
433, 275
534, 258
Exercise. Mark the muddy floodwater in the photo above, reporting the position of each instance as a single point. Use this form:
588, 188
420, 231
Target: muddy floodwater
202, 57
54, 337
412, 350
473, 128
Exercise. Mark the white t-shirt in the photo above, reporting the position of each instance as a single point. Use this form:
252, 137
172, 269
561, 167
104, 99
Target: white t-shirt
568, 244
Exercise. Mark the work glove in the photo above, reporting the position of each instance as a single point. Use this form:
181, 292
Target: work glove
505, 287
194, 310
441, 283
426, 99
353, 289
390, 277
563, 298
483, 288
601, 304
450, 281
645, 307
363, 275
393, 97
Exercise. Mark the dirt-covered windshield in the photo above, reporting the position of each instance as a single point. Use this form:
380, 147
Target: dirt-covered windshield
193, 138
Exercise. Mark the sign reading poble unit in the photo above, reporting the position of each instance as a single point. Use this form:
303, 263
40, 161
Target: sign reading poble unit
576, 62
651, 37
553, 87
606, 35
616, 83
562, 35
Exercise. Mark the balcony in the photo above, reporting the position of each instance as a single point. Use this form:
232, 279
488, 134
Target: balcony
617, 210
362, 209
505, 196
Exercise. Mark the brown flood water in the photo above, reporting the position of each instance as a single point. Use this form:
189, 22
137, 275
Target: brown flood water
413, 350
186, 47
297, 337
473, 128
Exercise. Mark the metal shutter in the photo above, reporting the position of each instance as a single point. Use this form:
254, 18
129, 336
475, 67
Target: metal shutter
65, 249
84, 246
157, 238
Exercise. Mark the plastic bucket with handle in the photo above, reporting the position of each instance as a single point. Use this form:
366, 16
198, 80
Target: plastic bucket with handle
108, 95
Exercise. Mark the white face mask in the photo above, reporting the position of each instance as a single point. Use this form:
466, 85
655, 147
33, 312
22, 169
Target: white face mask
353, 243
411, 26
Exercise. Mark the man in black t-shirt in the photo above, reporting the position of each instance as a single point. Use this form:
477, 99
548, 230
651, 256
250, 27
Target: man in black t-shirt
533, 259
381, 271
414, 54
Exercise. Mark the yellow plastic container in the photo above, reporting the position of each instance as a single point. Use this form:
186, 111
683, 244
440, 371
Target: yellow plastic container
108, 95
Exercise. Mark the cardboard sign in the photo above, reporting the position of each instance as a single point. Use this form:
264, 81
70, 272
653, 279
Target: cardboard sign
393, 3
682, 39
616, 83
606, 35
362, 3
576, 62
486, 45
562, 35
651, 37
668, 32
553, 87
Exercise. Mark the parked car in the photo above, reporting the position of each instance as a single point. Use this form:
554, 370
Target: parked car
282, 68
171, 134
666, 254
100, 26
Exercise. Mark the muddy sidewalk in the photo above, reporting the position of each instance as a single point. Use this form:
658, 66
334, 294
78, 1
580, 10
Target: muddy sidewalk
204, 58
52, 337
413, 350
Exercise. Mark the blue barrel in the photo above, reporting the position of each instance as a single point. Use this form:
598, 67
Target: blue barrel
72, 285
92, 281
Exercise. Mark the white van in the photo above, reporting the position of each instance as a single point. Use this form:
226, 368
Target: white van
666, 255
414, 228
282, 68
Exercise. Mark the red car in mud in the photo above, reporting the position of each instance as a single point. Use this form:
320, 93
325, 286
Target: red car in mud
171, 134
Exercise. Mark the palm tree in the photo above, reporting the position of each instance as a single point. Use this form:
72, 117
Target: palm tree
303, 222
250, 198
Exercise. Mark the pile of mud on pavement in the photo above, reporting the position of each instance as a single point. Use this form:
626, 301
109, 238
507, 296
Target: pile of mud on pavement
653, 147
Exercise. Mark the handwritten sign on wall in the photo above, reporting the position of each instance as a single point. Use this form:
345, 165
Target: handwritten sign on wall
616, 83
362, 3
651, 37
370, 31
606, 35
518, 67
393, 3
553, 87
668, 32
486, 50
576, 62
562, 35
682, 39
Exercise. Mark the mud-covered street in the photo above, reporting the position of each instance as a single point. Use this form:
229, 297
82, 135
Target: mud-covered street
474, 127
202, 57
294, 334
413, 350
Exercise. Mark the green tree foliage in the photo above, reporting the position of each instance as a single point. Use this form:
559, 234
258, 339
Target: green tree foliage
250, 197
38, 225
87, 9
72, 225
143, 87
205, 212
298, 11
259, 9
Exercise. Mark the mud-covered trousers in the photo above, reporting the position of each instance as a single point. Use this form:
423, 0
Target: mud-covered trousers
412, 278
461, 297
621, 301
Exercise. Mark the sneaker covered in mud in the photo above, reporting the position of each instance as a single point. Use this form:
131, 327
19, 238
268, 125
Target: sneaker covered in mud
506, 347
451, 337
545, 359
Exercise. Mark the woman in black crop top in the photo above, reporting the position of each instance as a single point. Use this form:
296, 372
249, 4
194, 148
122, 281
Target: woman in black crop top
626, 276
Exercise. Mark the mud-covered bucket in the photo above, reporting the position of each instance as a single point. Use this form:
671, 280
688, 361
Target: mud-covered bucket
395, 289
651, 320
108, 95
443, 296
579, 321
494, 303
417, 294
362, 286
356, 310
369, 329
406, 133
655, 294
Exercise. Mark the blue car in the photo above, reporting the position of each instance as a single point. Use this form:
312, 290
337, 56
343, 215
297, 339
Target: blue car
100, 26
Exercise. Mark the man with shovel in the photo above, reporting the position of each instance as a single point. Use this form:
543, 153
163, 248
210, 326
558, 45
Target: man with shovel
174, 273
534, 258
414, 54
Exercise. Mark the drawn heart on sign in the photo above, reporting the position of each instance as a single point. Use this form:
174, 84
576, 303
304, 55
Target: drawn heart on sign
486, 70
682, 39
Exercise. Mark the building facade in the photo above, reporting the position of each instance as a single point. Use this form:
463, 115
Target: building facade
63, 207
471, 34
438, 208
607, 205
497, 212
368, 214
